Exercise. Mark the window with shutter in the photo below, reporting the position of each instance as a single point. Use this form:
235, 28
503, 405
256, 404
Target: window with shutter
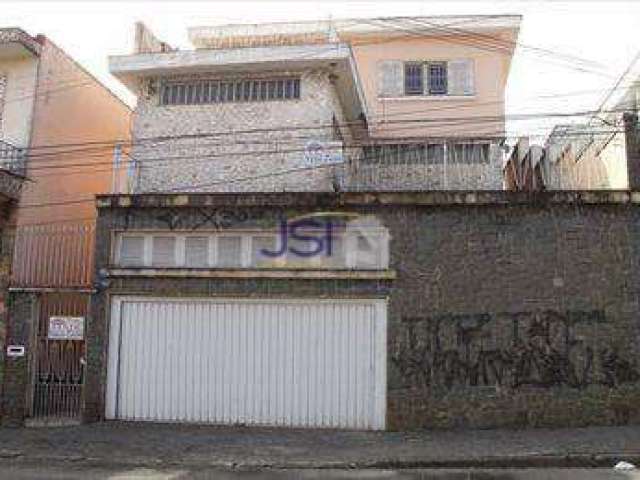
196, 250
131, 251
390, 78
164, 252
461, 77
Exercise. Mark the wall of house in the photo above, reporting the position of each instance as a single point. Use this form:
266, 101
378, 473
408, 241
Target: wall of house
504, 311
71, 107
17, 97
431, 116
602, 165
266, 152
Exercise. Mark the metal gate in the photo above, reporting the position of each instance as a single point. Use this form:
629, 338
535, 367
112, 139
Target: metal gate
59, 363
288, 362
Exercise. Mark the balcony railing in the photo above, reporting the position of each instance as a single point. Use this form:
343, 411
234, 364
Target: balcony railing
415, 166
426, 166
12, 158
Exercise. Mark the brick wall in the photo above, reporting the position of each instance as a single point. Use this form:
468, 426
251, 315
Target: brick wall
206, 162
503, 314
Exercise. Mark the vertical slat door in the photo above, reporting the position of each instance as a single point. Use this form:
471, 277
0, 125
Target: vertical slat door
304, 363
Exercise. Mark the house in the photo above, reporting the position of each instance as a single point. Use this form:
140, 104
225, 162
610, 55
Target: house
319, 106
291, 246
59, 127
596, 154
18, 60
289, 243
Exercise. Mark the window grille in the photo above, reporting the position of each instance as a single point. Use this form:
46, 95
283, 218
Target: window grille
437, 78
413, 80
245, 250
213, 91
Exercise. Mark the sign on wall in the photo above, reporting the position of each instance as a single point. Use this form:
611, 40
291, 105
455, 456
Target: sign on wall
318, 153
66, 328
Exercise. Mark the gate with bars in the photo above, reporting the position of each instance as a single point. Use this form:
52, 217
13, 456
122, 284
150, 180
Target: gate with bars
56, 262
59, 357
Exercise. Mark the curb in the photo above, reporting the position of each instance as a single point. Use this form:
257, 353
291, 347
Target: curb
518, 461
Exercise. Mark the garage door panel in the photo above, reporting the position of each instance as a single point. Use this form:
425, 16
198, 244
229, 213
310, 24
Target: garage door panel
293, 363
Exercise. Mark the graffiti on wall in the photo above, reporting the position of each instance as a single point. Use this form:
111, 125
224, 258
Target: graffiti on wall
510, 350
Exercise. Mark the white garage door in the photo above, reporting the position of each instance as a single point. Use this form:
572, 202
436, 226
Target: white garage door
309, 363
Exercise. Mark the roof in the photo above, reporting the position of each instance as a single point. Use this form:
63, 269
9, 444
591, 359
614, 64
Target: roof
335, 57
16, 42
321, 31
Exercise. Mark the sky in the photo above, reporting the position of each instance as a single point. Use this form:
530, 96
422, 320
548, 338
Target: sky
604, 33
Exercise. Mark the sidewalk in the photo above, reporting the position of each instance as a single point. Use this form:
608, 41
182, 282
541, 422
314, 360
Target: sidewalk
129, 444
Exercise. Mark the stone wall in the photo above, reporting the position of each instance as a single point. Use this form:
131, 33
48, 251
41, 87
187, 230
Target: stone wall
508, 313
16, 381
236, 146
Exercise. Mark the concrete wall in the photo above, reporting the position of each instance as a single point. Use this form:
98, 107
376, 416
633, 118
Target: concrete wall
16, 104
257, 160
507, 310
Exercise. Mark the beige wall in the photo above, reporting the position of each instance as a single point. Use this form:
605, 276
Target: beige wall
17, 103
597, 168
71, 107
491, 70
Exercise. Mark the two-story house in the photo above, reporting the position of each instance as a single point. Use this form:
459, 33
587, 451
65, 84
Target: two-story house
58, 128
405, 104
254, 265
264, 244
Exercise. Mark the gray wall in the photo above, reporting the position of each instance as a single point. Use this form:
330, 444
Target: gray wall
517, 314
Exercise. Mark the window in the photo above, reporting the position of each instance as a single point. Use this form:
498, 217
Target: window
413, 81
230, 251
437, 78
132, 251
214, 91
164, 251
470, 153
405, 153
196, 251
311, 248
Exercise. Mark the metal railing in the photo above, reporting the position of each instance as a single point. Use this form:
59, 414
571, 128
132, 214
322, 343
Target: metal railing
425, 166
53, 255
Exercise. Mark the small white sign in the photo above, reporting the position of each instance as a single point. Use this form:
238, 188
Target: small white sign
15, 351
322, 153
66, 328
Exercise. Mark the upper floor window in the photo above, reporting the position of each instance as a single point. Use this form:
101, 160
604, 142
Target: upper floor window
218, 91
397, 78
413, 81
437, 78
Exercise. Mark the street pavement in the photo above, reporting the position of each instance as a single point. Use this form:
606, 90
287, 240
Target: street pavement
16, 472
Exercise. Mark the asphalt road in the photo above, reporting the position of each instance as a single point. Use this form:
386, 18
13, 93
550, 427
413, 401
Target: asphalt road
24, 472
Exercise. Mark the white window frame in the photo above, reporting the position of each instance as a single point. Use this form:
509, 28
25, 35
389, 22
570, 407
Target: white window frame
350, 241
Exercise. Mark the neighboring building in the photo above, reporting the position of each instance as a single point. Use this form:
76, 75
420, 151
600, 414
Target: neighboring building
19, 55
595, 155
319, 106
63, 123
